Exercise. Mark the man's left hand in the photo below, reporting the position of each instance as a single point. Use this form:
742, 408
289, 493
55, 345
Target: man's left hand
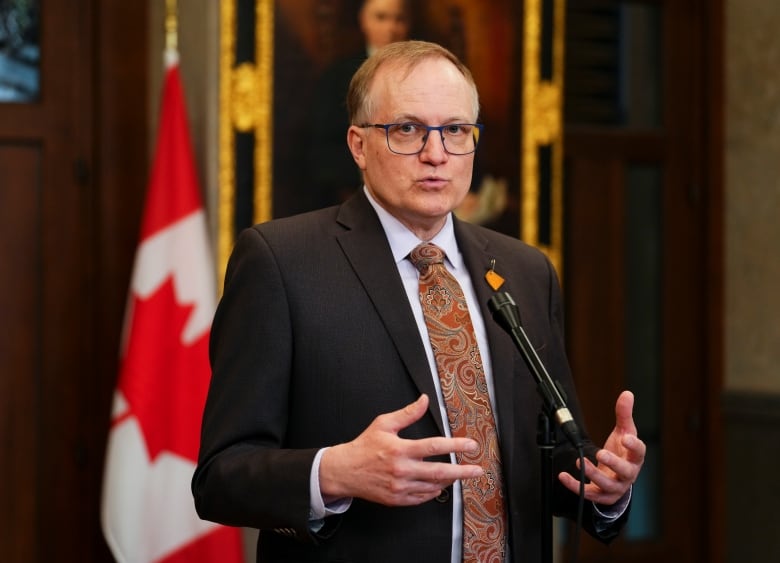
619, 461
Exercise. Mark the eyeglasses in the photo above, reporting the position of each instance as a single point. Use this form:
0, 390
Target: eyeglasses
410, 137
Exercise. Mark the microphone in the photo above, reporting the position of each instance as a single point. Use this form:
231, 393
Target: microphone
506, 314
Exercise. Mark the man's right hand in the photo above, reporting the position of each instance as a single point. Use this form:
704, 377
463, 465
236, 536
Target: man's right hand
382, 467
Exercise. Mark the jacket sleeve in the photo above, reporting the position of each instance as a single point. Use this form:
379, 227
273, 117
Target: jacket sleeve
244, 476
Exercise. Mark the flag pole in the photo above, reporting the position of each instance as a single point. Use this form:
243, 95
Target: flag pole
171, 33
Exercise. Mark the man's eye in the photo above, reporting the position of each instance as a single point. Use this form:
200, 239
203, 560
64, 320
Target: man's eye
408, 128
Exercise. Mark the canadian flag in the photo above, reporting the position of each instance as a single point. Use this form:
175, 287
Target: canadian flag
148, 513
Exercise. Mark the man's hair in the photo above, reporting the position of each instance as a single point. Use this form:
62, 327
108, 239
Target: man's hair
405, 55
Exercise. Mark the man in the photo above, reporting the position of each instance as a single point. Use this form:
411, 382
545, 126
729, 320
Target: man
325, 425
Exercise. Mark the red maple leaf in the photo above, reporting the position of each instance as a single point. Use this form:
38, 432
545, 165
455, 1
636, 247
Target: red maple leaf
164, 380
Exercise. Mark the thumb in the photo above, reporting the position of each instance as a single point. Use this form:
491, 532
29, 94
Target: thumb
624, 413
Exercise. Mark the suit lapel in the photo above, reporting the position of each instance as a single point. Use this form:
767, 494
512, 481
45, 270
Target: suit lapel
366, 248
477, 255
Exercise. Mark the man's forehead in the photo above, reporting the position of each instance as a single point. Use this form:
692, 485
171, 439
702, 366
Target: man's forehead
397, 80
398, 71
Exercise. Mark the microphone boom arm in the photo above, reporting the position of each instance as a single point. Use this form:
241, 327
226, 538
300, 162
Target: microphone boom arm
506, 314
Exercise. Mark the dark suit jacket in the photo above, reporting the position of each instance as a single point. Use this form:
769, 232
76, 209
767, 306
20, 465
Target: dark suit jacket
314, 338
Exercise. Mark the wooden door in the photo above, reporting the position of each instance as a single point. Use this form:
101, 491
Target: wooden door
72, 171
643, 193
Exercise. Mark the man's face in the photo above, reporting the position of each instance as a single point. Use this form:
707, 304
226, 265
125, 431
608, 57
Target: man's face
383, 22
421, 189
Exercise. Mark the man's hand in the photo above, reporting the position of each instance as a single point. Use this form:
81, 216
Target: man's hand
619, 461
381, 467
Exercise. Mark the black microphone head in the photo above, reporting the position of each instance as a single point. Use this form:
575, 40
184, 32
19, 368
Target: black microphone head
500, 299
505, 311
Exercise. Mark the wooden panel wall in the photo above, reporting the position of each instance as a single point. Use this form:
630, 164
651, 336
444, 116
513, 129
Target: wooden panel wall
73, 168
20, 204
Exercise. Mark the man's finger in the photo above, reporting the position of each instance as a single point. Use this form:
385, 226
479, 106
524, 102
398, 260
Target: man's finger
444, 474
635, 448
626, 467
398, 420
431, 447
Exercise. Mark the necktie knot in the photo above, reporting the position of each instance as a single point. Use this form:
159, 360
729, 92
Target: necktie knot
425, 255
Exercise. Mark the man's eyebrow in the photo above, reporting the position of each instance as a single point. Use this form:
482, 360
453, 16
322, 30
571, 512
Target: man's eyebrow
409, 118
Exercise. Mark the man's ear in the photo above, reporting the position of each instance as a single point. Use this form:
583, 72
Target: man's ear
356, 142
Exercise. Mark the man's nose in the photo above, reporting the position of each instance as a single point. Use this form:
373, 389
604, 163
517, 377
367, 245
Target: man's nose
433, 149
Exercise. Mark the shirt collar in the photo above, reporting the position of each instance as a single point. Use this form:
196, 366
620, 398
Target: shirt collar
402, 241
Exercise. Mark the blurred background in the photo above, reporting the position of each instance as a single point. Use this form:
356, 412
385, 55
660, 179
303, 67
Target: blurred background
670, 260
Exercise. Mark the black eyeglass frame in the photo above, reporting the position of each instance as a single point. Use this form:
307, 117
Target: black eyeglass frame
428, 128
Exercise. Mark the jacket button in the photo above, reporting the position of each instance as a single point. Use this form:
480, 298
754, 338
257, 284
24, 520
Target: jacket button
444, 496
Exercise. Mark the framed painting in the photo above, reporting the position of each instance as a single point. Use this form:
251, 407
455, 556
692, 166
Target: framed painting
284, 69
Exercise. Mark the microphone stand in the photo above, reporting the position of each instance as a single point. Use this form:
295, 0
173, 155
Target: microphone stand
545, 440
506, 313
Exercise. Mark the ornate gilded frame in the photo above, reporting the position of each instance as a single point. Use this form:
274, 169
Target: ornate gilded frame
543, 126
246, 104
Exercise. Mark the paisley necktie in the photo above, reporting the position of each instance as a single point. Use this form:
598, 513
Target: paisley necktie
468, 407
